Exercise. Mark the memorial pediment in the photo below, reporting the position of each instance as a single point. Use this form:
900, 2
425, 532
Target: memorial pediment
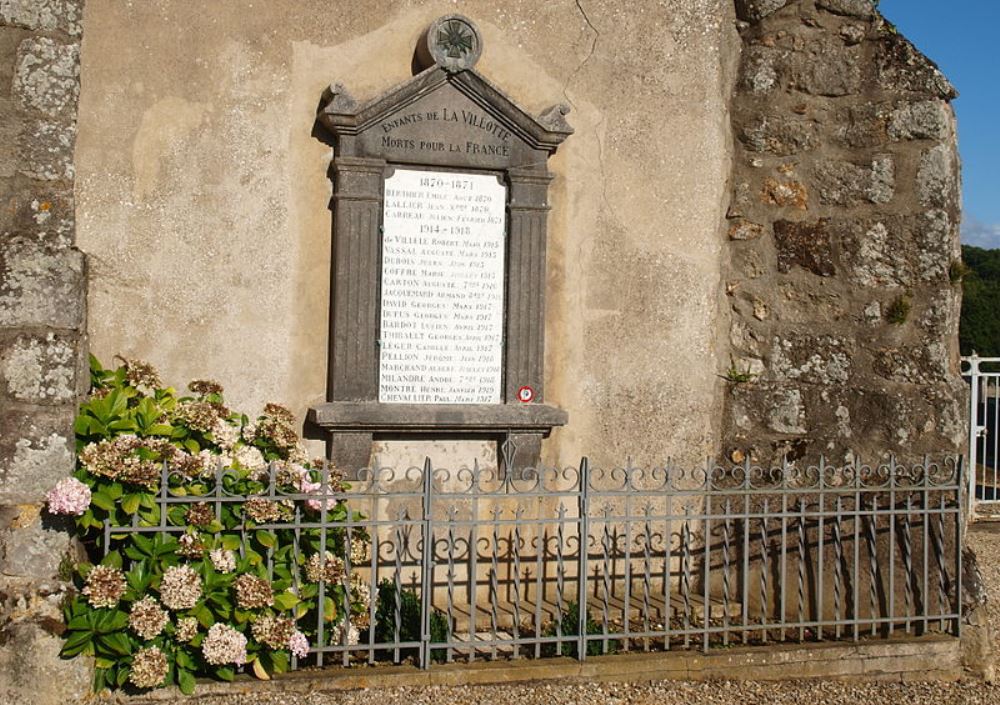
442, 118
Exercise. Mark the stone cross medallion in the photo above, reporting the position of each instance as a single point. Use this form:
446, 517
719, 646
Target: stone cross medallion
454, 43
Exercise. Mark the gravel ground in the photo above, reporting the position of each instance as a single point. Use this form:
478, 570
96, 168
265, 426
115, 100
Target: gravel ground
984, 539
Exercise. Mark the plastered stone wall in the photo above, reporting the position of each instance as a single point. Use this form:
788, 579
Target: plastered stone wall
843, 227
42, 337
204, 198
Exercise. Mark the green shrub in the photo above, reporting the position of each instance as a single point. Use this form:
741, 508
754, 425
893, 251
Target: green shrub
160, 608
570, 628
409, 620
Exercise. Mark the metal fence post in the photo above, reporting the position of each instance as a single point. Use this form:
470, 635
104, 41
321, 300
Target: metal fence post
427, 567
959, 535
583, 527
973, 428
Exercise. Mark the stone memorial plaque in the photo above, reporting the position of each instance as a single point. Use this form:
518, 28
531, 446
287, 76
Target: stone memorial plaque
442, 300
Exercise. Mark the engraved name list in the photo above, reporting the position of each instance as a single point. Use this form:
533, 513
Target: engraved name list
441, 332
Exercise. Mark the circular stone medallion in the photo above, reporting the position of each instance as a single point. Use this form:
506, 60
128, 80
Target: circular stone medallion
454, 42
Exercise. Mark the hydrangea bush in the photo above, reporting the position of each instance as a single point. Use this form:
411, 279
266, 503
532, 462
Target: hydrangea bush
159, 608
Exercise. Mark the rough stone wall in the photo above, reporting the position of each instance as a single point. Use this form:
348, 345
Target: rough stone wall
842, 228
42, 336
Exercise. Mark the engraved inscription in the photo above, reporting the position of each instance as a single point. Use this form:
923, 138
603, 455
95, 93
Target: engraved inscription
442, 288
482, 134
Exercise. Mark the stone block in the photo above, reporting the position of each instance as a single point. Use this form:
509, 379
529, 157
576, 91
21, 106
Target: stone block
785, 194
10, 40
41, 286
804, 244
826, 68
817, 359
40, 369
841, 183
936, 237
37, 449
860, 126
876, 252
937, 178
37, 550
900, 67
46, 150
760, 69
778, 408
745, 230
47, 76
43, 212
43, 15
923, 120
778, 135
754, 10
34, 674
926, 363
11, 124
853, 8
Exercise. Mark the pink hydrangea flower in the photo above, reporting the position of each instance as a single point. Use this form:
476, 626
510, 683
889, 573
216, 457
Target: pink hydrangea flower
298, 644
69, 496
307, 486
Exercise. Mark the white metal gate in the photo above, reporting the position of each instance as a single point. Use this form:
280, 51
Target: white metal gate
983, 374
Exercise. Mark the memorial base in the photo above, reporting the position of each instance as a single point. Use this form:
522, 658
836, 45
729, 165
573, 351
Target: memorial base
352, 427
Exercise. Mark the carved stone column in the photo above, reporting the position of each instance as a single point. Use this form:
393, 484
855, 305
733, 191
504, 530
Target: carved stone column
353, 365
528, 212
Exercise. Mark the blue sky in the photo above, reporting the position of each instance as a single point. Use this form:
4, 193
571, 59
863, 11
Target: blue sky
961, 37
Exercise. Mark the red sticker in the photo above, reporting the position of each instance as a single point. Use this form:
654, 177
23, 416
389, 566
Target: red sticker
525, 394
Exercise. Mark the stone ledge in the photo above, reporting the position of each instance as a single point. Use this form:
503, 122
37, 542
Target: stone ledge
930, 658
442, 418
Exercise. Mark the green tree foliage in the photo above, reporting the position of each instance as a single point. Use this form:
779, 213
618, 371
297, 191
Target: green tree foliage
980, 323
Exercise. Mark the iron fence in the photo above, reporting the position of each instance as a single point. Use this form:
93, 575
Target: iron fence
475, 564
983, 374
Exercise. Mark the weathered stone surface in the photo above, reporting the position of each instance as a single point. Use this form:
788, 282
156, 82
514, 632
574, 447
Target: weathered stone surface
779, 135
44, 15
877, 252
759, 71
46, 150
47, 77
818, 359
853, 33
37, 550
841, 183
861, 125
916, 364
936, 239
40, 286
927, 119
43, 678
804, 244
785, 194
778, 408
827, 68
10, 40
876, 170
11, 125
754, 10
745, 230
854, 8
900, 66
43, 213
937, 178
36, 451
39, 369
786, 414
